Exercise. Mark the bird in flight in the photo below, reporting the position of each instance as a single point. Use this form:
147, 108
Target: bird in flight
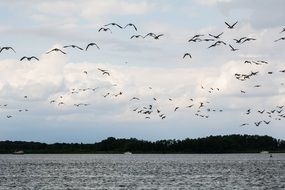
73, 46
136, 36
91, 44
157, 36
113, 24
55, 49
6, 48
239, 40
29, 58
283, 38
244, 124
232, 48
105, 29
231, 26
186, 55
132, 25
216, 36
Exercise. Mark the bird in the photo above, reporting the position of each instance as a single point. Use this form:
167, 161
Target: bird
176, 108
29, 58
60, 103
149, 34
55, 49
283, 38
73, 46
244, 124
6, 48
113, 24
261, 112
232, 48
105, 29
91, 44
130, 24
157, 37
186, 55
52, 101
248, 39
216, 36
257, 123
239, 40
85, 72
266, 122
9, 116
231, 26
136, 36
135, 98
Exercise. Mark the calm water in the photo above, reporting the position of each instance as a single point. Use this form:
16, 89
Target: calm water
228, 171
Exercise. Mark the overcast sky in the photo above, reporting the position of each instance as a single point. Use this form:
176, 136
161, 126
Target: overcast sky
143, 68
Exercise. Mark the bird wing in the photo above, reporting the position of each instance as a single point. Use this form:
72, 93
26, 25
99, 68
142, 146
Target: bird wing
23, 58
12, 49
35, 58
234, 23
61, 51
227, 24
78, 47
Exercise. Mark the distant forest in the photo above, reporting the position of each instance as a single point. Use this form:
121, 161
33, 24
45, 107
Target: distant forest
211, 144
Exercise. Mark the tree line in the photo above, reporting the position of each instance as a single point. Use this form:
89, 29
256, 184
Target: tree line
211, 144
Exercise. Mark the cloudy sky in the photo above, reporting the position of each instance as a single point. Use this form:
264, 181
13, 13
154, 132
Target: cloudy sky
143, 68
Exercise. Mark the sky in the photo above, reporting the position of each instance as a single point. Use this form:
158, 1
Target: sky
152, 70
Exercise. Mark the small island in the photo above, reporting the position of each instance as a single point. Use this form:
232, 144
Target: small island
211, 144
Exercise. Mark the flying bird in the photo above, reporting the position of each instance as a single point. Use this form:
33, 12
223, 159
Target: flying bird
231, 26
56, 50
232, 48
216, 36
29, 58
186, 55
132, 25
91, 44
6, 48
239, 40
283, 38
136, 36
105, 29
73, 46
113, 24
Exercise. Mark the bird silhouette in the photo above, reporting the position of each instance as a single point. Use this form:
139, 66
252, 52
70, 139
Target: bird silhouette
132, 25
239, 40
91, 44
231, 26
186, 55
29, 58
113, 24
73, 46
232, 48
7, 48
216, 36
283, 38
105, 29
136, 36
56, 50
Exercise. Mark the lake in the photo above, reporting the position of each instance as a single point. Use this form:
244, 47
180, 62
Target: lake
142, 171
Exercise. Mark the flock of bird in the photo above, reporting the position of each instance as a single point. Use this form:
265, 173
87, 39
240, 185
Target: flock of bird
153, 108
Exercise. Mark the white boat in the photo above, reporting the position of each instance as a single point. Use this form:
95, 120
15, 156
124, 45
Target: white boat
19, 152
128, 153
264, 152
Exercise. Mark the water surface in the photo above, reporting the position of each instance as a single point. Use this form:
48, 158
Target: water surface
146, 171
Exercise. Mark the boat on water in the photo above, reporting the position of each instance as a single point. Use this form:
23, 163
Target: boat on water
19, 152
264, 152
128, 153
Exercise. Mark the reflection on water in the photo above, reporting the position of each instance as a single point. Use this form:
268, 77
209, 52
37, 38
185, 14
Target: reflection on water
224, 171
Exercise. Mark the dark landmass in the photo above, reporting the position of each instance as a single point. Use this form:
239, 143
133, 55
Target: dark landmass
211, 144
